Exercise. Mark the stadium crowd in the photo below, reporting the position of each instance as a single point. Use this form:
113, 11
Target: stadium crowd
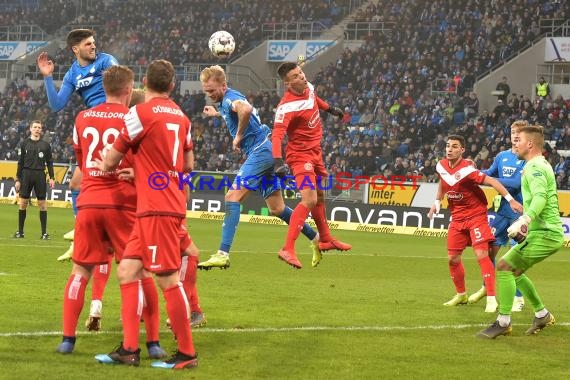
392, 124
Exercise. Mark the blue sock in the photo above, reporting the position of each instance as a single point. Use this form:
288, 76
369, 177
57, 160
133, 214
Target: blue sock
231, 220
74, 194
518, 293
307, 230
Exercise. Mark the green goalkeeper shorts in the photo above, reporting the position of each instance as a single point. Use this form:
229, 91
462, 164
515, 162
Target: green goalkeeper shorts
537, 246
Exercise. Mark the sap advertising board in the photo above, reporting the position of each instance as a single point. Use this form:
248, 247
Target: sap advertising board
11, 50
290, 50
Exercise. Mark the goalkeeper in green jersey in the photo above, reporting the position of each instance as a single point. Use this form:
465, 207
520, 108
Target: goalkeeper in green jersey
538, 233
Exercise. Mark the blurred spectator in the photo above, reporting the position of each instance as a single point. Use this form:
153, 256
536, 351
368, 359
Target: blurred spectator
505, 88
542, 88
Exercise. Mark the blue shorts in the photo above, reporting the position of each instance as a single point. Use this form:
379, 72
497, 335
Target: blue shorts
499, 226
257, 173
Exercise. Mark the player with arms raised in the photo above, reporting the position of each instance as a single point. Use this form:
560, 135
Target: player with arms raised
459, 181
85, 76
250, 136
298, 117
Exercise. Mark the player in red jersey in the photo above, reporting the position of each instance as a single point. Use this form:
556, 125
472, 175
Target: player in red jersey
459, 181
298, 117
104, 197
158, 133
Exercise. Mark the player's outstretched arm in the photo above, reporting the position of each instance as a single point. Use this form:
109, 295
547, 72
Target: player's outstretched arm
493, 182
45, 65
57, 100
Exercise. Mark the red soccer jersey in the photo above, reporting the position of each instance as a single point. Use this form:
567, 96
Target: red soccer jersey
95, 128
298, 116
158, 132
461, 186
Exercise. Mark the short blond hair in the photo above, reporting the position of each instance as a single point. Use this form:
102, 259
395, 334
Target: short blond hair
518, 124
137, 97
215, 73
535, 134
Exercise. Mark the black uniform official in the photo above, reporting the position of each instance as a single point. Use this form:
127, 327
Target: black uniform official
35, 156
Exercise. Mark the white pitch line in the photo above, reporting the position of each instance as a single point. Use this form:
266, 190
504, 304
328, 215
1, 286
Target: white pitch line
278, 329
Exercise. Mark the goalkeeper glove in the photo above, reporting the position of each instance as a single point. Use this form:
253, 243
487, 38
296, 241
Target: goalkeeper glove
519, 229
336, 111
280, 167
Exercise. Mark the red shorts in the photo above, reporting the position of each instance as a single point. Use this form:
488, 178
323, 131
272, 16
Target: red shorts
308, 169
158, 240
473, 232
97, 229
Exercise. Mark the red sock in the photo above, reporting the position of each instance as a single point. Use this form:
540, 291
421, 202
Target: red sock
298, 217
131, 310
179, 314
188, 278
320, 217
488, 273
73, 300
150, 311
100, 278
457, 272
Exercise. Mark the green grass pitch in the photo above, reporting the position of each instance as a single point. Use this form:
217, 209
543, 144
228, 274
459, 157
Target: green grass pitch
373, 313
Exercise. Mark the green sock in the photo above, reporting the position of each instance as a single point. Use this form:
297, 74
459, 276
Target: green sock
529, 292
507, 287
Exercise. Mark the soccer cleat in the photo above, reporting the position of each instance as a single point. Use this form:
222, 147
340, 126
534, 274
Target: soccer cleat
290, 258
492, 305
155, 351
518, 304
67, 255
317, 254
197, 319
217, 260
538, 324
66, 346
334, 244
178, 361
120, 356
69, 235
477, 296
458, 299
495, 330
45, 237
93, 322
18, 235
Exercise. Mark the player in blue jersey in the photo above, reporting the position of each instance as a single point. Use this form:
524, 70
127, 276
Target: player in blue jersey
85, 74
251, 137
507, 168
86, 77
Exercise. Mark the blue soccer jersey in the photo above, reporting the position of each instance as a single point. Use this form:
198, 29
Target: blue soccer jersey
507, 168
255, 133
86, 80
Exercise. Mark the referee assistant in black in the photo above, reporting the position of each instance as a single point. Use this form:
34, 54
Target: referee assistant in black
35, 155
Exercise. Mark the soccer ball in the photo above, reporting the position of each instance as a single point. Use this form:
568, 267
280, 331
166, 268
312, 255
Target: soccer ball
222, 44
